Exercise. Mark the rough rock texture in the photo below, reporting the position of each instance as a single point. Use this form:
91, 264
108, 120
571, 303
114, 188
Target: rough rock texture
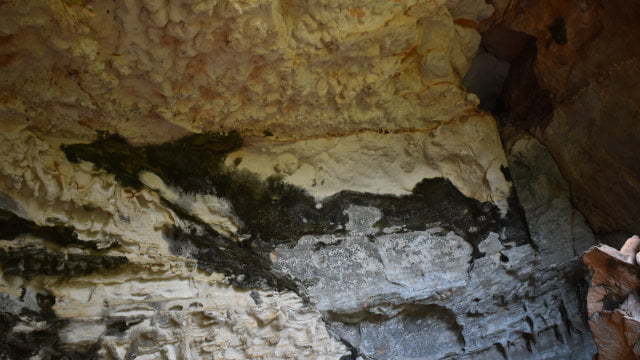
421, 294
154, 70
271, 180
614, 309
400, 269
154, 305
573, 85
559, 230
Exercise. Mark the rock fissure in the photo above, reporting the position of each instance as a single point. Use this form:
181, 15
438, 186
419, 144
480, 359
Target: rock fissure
13, 226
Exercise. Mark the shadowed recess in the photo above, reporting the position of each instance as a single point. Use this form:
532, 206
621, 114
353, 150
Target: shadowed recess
30, 261
13, 226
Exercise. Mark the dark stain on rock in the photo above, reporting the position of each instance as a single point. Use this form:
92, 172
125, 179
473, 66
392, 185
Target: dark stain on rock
506, 172
116, 327
515, 227
30, 261
578, 280
353, 351
256, 297
438, 203
43, 342
321, 244
272, 211
191, 163
277, 212
13, 226
246, 264
558, 30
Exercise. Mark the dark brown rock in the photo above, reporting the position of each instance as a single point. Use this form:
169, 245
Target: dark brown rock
612, 303
587, 60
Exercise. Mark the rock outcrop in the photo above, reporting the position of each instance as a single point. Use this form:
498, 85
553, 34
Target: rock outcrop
272, 180
613, 305
156, 70
571, 83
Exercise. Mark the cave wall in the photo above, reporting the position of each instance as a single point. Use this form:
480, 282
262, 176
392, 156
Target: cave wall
272, 180
581, 85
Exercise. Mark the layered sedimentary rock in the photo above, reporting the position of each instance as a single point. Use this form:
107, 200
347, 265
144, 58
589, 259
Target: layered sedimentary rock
271, 180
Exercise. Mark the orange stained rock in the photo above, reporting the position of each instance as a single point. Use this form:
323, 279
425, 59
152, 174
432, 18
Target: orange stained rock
466, 23
357, 12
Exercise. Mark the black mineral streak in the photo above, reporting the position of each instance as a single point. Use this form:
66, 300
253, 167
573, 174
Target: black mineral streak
29, 262
246, 264
13, 226
43, 341
274, 212
353, 351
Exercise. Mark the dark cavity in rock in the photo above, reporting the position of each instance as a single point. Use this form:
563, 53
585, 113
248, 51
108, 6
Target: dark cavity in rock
13, 226
504, 78
29, 262
44, 341
558, 30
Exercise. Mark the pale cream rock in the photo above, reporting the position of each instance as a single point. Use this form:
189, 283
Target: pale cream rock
154, 70
174, 310
50, 190
191, 316
468, 152
209, 209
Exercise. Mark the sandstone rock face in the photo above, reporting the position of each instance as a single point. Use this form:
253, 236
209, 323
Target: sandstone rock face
166, 68
271, 180
153, 305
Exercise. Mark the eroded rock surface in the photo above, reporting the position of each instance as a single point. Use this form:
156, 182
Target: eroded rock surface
271, 180
574, 88
385, 289
614, 309
390, 267
156, 70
